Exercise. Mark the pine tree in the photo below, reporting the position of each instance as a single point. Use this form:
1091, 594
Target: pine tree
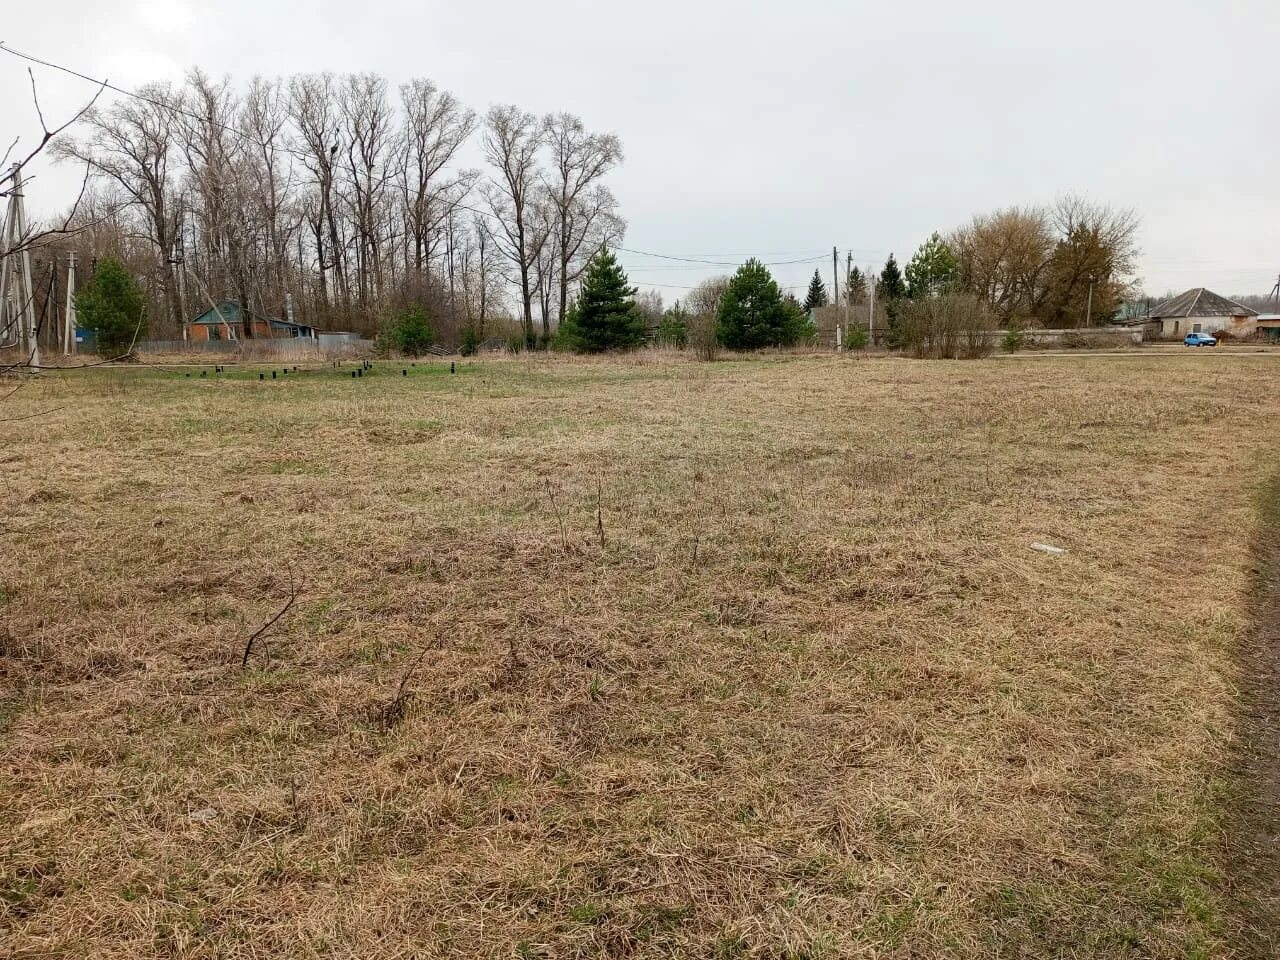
931, 269
753, 312
817, 295
605, 316
111, 305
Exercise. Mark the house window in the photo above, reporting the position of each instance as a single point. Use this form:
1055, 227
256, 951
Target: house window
214, 332
1176, 324
1195, 328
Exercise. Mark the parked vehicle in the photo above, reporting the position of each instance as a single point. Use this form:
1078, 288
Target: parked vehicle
1200, 340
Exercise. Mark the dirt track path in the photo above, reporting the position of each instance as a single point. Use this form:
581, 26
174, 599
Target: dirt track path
1253, 829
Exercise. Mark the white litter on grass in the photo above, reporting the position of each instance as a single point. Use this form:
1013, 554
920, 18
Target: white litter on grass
208, 813
1045, 548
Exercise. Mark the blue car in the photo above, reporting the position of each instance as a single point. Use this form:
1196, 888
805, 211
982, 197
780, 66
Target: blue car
1200, 340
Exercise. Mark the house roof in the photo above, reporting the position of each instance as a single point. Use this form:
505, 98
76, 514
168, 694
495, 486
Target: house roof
230, 313
1199, 302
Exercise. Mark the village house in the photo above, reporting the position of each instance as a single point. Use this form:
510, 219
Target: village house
1203, 311
226, 323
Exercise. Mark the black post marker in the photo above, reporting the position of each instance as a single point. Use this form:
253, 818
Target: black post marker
453, 367
273, 374
262, 376
404, 373
188, 373
353, 374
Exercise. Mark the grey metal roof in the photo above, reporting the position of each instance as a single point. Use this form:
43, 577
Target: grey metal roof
1199, 302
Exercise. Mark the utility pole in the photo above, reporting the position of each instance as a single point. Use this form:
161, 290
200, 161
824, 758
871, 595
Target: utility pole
848, 294
835, 295
1275, 291
1088, 315
17, 295
871, 307
69, 326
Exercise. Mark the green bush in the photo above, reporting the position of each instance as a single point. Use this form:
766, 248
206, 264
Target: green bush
1014, 339
111, 305
410, 332
673, 328
858, 338
470, 340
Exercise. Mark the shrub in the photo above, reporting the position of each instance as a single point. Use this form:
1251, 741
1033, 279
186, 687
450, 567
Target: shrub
704, 336
410, 332
111, 305
470, 340
858, 338
949, 326
673, 328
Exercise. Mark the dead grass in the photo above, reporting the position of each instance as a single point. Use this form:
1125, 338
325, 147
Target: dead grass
602, 659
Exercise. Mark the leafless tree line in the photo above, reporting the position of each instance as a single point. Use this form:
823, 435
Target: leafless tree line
342, 198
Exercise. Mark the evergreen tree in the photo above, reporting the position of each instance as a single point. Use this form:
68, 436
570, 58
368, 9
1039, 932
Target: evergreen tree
890, 290
855, 286
410, 332
932, 268
673, 328
890, 286
111, 305
817, 295
753, 312
605, 316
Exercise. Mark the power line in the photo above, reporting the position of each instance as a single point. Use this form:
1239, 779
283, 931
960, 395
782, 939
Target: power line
134, 94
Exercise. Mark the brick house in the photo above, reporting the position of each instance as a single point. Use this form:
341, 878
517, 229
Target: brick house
227, 323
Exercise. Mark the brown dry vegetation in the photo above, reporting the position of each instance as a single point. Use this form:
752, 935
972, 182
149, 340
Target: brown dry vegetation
738, 659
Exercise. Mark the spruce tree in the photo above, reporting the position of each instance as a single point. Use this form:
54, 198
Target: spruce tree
891, 287
111, 305
891, 290
753, 313
855, 286
817, 295
605, 316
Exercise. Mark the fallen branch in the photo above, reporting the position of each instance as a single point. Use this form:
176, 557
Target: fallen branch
248, 647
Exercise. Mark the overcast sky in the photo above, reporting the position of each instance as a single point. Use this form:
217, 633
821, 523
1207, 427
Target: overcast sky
785, 128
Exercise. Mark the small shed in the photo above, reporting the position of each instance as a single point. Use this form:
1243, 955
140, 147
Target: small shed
226, 322
1269, 325
1203, 311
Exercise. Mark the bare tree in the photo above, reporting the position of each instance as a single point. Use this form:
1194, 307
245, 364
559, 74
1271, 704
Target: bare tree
313, 112
579, 160
512, 141
436, 126
132, 145
367, 122
264, 116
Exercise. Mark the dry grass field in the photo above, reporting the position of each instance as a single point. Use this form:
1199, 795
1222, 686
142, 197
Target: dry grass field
631, 658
